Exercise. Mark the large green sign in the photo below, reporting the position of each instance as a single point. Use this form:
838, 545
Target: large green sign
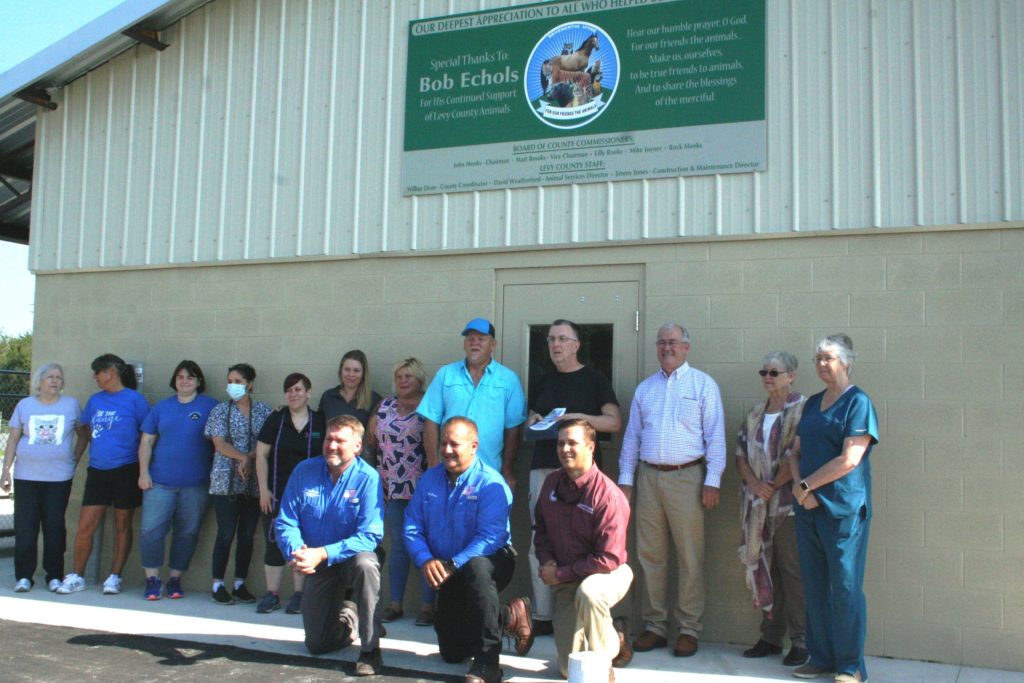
584, 91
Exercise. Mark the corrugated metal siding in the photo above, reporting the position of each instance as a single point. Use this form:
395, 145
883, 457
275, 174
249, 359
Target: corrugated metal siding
273, 128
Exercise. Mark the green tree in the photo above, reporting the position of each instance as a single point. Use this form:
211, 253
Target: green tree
16, 352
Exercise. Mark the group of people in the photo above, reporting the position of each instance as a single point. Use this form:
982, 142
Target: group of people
432, 466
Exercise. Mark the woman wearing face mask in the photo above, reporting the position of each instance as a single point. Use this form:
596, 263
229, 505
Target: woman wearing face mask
289, 436
233, 427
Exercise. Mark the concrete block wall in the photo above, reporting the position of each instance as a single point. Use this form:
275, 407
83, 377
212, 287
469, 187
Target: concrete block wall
937, 318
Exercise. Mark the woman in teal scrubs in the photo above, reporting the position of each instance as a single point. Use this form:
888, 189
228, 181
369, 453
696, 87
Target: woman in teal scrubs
832, 484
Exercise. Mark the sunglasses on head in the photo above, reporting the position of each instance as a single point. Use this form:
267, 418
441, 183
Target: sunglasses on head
766, 373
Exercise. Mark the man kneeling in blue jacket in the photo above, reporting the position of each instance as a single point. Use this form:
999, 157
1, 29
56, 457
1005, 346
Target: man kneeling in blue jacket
331, 521
457, 533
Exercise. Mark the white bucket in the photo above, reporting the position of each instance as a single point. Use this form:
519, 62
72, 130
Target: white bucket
588, 667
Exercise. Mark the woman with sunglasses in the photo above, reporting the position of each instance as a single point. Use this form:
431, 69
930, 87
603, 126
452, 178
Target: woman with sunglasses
290, 435
768, 549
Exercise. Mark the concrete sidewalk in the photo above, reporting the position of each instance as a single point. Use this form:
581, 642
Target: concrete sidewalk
407, 646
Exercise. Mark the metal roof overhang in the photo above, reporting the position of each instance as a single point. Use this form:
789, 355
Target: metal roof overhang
25, 91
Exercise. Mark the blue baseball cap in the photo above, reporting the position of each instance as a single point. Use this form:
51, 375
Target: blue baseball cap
481, 325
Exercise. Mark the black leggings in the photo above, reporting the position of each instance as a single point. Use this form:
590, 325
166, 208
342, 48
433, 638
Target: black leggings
237, 516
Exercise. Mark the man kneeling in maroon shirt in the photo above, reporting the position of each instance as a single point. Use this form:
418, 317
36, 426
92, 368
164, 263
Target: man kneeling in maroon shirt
581, 522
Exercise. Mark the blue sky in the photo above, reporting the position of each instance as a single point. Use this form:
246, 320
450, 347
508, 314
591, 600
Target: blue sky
26, 28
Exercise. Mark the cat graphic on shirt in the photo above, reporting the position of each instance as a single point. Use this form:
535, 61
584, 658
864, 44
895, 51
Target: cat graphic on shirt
46, 430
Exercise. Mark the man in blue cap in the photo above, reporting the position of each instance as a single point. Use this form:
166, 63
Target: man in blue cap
485, 391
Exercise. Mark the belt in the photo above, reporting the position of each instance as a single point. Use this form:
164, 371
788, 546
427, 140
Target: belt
673, 468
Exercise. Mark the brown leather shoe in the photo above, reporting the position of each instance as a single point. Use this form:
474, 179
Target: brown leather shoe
518, 624
625, 655
686, 646
647, 641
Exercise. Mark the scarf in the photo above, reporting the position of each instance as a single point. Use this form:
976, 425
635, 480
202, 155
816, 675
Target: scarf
759, 518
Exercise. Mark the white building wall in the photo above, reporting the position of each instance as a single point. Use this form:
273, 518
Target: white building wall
273, 129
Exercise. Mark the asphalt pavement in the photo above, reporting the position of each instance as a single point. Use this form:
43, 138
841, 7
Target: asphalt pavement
36, 652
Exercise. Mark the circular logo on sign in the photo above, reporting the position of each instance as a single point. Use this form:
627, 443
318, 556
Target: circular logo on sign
571, 75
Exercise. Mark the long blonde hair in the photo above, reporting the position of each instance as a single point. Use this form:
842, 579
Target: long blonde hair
364, 394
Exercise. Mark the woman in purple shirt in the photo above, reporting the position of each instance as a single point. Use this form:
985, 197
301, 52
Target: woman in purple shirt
42, 429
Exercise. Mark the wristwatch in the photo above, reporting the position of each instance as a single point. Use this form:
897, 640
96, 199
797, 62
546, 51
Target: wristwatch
804, 486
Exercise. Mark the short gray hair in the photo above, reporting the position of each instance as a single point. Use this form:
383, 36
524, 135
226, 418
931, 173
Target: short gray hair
784, 358
37, 376
843, 346
668, 327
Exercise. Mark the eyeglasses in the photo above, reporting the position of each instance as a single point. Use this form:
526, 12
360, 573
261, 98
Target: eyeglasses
824, 359
670, 343
766, 373
561, 339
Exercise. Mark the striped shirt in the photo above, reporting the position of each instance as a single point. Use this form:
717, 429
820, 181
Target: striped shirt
674, 419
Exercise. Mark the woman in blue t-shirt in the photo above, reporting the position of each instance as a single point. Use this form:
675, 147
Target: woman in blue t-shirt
110, 427
174, 475
832, 484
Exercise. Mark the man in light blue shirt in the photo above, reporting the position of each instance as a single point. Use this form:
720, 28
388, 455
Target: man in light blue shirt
485, 391
331, 521
457, 532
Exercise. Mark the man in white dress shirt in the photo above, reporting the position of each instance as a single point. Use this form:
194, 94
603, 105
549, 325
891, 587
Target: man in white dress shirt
674, 453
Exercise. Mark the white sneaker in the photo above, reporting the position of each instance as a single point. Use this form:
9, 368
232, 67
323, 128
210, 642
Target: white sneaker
72, 583
53, 585
23, 586
112, 586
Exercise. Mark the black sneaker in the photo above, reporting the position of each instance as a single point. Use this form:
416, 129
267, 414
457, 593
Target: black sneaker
483, 672
543, 627
242, 594
221, 596
369, 663
796, 656
295, 604
268, 603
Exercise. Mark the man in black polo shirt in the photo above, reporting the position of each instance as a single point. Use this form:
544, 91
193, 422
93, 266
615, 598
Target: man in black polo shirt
585, 394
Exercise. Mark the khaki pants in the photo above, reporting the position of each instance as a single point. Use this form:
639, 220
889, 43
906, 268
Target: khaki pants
668, 506
583, 614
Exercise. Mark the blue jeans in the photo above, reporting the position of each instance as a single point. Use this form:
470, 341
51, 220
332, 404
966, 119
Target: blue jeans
162, 505
398, 559
40, 504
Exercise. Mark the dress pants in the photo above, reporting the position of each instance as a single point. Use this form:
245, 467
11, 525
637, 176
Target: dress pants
583, 614
328, 626
833, 553
468, 619
668, 508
